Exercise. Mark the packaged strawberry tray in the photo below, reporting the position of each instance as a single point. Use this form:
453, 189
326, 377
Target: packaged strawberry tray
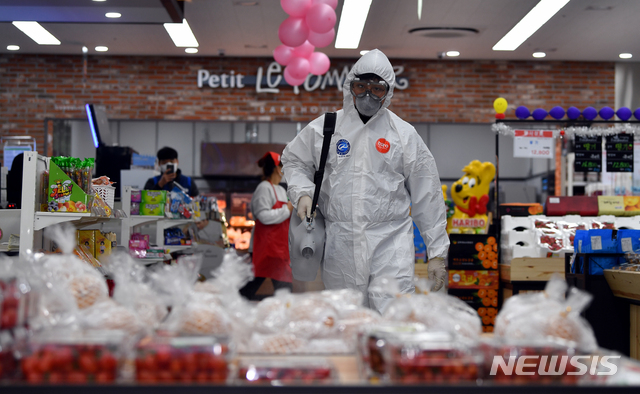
278, 372
185, 359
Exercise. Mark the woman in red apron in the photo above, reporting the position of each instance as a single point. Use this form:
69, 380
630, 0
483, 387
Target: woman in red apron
271, 211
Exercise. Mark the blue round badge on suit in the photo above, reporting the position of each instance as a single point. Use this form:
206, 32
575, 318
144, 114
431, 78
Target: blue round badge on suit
343, 147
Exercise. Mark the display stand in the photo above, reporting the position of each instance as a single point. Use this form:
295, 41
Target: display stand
162, 223
31, 220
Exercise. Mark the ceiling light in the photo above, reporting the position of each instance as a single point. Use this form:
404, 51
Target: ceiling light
354, 15
625, 56
181, 34
537, 17
101, 48
113, 15
539, 54
363, 52
12, 47
99, 1
37, 33
453, 53
191, 50
85, 49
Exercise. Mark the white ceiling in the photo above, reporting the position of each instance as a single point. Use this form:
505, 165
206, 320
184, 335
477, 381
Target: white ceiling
575, 33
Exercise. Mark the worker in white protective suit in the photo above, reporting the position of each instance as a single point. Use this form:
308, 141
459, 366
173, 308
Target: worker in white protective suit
379, 172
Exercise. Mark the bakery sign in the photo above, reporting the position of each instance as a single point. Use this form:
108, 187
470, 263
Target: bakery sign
272, 79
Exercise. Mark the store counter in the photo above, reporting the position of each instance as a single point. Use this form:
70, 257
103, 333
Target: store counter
626, 284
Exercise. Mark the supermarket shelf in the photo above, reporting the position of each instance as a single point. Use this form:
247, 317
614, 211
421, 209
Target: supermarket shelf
45, 219
168, 223
135, 220
174, 248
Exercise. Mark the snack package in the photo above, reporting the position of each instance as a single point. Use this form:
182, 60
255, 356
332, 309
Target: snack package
87, 238
547, 316
153, 196
103, 246
136, 196
99, 207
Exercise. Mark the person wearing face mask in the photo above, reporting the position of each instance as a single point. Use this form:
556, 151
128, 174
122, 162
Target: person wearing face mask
269, 240
170, 174
379, 177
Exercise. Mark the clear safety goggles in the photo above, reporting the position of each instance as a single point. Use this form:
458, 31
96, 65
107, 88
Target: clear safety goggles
377, 90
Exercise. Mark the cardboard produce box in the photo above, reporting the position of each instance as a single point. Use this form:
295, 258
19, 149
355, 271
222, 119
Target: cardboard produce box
473, 251
611, 205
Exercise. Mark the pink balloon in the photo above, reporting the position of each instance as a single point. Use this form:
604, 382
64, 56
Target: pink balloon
299, 67
305, 50
293, 32
296, 8
321, 18
283, 54
321, 40
331, 3
290, 79
319, 63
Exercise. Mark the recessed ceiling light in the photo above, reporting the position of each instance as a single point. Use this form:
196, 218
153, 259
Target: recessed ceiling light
538, 16
99, 1
101, 48
363, 52
191, 50
113, 15
625, 56
181, 34
85, 49
37, 33
453, 53
539, 54
354, 15
13, 47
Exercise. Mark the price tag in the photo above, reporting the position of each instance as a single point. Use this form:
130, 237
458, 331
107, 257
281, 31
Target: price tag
619, 153
588, 152
533, 143
596, 243
626, 245
554, 200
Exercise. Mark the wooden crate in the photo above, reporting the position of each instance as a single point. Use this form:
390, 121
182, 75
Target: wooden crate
624, 284
531, 269
421, 270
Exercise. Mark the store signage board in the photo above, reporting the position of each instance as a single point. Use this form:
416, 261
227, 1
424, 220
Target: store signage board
619, 149
271, 80
533, 144
588, 151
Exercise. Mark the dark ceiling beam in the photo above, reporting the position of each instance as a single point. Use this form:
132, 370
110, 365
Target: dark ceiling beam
175, 9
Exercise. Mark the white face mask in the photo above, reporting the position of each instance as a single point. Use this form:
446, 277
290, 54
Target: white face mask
367, 105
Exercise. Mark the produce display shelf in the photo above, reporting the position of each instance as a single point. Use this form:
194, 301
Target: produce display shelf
45, 219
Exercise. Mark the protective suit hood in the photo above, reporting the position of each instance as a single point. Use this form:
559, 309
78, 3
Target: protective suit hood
374, 62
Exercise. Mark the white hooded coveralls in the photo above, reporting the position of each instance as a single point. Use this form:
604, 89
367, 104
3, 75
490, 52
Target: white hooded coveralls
366, 194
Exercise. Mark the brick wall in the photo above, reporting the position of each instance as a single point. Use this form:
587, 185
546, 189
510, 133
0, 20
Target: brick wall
36, 87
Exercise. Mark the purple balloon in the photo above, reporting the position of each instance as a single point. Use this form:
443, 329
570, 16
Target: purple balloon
624, 113
573, 113
606, 113
589, 113
522, 112
539, 114
557, 113
636, 113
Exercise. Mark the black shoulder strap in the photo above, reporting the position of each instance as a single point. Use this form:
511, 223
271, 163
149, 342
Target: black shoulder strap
327, 129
